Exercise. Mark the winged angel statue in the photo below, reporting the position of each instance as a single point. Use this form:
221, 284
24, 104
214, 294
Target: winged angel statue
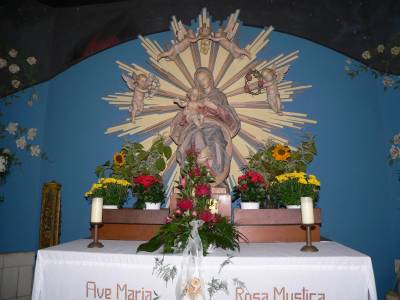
196, 97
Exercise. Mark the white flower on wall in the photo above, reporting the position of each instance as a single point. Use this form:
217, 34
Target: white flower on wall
32, 132
394, 152
3, 164
395, 50
387, 81
3, 63
366, 54
380, 48
13, 68
12, 128
15, 83
21, 143
31, 60
13, 53
35, 150
396, 139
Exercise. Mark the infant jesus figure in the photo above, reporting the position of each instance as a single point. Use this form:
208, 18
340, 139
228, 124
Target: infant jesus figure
194, 107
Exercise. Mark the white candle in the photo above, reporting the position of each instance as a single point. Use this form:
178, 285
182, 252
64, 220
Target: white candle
97, 210
307, 210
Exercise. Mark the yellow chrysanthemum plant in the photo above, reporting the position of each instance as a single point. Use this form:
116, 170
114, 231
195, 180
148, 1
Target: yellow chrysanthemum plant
113, 191
288, 188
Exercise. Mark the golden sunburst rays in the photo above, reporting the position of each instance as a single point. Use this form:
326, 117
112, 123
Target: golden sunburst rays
258, 121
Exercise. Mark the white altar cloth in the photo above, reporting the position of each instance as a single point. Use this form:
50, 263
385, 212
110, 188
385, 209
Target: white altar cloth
259, 271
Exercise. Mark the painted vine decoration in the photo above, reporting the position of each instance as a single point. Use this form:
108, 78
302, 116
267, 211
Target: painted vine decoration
18, 71
381, 55
394, 151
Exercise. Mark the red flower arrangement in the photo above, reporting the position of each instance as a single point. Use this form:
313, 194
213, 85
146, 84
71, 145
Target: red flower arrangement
252, 187
194, 203
147, 188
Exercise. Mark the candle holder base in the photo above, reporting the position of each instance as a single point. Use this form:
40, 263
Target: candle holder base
95, 245
309, 248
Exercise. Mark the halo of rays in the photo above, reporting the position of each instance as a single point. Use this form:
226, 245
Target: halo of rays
258, 121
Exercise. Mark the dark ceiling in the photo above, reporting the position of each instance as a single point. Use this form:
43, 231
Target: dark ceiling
61, 33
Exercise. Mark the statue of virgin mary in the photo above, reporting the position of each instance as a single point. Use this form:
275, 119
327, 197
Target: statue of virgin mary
213, 139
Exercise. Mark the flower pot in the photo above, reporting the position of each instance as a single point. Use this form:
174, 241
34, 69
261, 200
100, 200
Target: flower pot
293, 206
152, 206
250, 205
110, 206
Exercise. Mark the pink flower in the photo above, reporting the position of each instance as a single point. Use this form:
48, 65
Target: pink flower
183, 182
194, 213
178, 212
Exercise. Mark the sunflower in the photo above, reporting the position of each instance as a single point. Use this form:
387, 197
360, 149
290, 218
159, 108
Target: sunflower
280, 152
119, 159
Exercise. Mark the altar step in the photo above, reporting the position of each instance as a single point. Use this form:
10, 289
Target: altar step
259, 225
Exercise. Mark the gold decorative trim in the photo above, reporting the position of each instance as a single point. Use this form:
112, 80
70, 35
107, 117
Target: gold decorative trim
49, 234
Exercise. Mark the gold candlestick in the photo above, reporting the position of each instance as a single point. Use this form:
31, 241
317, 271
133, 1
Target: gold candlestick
308, 247
95, 243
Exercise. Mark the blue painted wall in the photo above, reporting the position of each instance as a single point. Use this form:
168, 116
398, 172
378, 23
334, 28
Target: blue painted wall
360, 194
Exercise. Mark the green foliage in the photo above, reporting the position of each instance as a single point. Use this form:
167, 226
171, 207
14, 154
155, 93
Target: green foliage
138, 161
173, 237
154, 193
263, 161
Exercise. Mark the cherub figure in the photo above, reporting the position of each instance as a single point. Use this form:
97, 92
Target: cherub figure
192, 107
184, 39
143, 86
271, 79
193, 113
226, 41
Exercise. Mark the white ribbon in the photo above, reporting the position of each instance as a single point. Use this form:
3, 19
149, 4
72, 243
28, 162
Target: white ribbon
190, 284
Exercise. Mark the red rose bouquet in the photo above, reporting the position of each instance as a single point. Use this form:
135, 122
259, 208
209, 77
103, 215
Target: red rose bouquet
194, 203
252, 187
147, 188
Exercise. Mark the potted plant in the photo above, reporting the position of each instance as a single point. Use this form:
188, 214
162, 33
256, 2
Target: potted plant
113, 191
133, 161
251, 189
149, 191
288, 188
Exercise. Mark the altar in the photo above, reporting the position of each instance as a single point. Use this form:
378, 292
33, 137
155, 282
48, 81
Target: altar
258, 271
